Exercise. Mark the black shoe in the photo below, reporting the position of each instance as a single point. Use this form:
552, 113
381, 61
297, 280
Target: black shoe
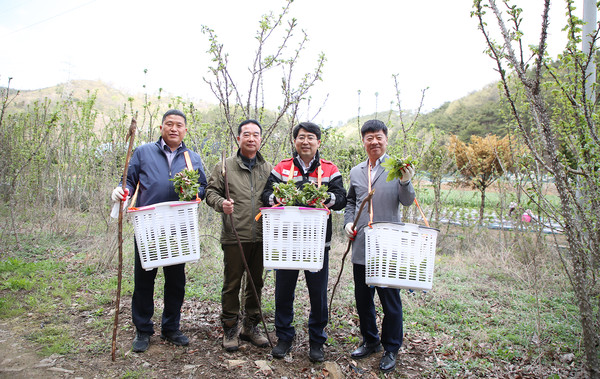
365, 349
282, 348
388, 362
176, 338
316, 353
141, 342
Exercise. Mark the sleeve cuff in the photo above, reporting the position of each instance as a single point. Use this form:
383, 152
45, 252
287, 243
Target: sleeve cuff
331, 201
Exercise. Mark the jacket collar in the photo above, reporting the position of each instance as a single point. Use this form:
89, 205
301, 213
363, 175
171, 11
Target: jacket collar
240, 160
160, 144
380, 170
315, 163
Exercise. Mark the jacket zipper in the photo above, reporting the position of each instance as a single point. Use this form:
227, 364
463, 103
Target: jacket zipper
252, 202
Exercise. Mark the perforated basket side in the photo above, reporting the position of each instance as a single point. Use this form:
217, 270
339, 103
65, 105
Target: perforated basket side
400, 255
167, 234
294, 238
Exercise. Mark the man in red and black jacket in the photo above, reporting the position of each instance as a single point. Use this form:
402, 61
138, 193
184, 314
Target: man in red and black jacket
307, 167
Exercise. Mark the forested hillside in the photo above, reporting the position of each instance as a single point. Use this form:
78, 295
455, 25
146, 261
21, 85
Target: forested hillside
479, 113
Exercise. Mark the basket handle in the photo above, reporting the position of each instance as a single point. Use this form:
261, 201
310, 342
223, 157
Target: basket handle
422, 214
134, 198
188, 163
257, 217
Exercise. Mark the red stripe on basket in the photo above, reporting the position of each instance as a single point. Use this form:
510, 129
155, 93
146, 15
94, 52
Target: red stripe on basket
146, 208
185, 203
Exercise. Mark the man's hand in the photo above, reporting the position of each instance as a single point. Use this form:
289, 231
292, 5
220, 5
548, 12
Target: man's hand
118, 194
350, 232
407, 173
228, 207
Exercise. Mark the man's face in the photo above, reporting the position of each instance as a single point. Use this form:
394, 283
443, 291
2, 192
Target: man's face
375, 144
249, 140
307, 145
173, 130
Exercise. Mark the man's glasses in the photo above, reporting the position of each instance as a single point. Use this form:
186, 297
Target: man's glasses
309, 138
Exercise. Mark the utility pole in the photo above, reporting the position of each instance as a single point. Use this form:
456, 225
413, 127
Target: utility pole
590, 15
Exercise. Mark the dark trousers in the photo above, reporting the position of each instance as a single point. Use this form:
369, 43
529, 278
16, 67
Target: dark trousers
285, 286
391, 328
142, 302
233, 271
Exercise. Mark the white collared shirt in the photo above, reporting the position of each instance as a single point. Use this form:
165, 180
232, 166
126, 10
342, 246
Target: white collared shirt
374, 168
304, 166
170, 154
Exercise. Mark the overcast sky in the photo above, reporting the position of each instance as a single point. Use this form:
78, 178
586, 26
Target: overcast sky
428, 43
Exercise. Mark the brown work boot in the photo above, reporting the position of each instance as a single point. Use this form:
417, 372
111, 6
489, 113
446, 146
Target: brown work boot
252, 334
230, 337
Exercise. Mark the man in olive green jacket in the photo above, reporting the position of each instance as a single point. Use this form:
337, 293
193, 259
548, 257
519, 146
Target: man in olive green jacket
247, 173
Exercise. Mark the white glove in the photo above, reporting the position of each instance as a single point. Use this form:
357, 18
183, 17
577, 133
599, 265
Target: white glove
118, 194
350, 232
407, 173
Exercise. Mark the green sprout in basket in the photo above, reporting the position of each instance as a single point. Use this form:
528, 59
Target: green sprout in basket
394, 165
286, 193
186, 184
313, 195
289, 194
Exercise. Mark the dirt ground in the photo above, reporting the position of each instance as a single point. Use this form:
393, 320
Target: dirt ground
203, 358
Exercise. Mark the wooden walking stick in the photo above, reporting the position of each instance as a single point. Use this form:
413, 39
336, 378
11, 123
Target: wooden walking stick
239, 242
362, 205
130, 136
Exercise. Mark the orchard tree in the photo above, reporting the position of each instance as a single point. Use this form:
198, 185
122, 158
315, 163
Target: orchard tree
275, 38
562, 137
437, 162
481, 162
23, 137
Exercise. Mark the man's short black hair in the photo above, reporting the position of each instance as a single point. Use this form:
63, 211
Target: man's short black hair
249, 121
175, 112
309, 127
372, 126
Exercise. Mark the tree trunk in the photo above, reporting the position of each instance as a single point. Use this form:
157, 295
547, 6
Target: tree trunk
482, 206
437, 197
545, 136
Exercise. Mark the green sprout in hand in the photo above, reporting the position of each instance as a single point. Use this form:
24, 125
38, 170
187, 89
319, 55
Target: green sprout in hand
395, 165
286, 193
289, 194
313, 195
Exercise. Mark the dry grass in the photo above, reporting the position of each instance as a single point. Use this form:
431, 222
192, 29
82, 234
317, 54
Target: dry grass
498, 307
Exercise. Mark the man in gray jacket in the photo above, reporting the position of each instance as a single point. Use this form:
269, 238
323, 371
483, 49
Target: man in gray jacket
247, 173
386, 207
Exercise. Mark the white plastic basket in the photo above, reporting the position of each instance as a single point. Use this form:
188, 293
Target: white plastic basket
166, 233
294, 238
400, 255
